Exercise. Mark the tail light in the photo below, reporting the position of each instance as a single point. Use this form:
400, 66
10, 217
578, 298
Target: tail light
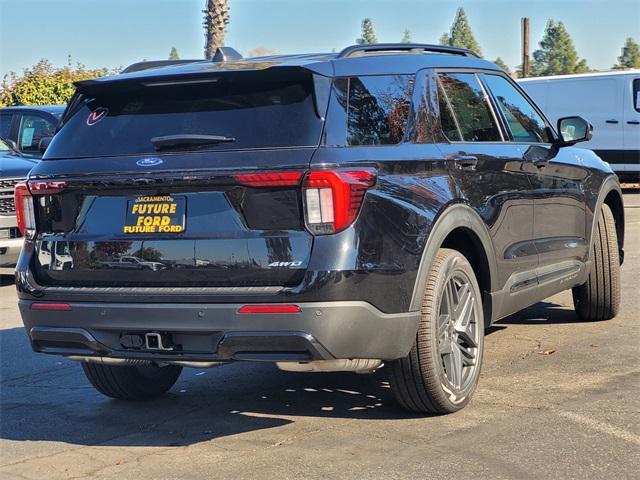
23, 196
333, 198
46, 188
24, 210
284, 179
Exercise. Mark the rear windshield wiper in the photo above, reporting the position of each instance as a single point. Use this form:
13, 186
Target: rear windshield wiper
188, 140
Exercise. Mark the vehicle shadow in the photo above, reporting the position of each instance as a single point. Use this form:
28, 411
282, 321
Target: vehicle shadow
542, 313
44, 398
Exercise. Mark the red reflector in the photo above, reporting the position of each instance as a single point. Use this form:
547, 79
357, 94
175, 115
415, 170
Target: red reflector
269, 309
65, 307
284, 179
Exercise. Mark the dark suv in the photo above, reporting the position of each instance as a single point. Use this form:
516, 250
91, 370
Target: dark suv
325, 212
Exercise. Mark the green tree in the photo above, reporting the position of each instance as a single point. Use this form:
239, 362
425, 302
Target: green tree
630, 57
460, 34
368, 33
498, 61
216, 18
557, 54
148, 254
406, 37
173, 55
44, 84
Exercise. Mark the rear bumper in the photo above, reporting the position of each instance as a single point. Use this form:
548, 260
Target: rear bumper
9, 253
217, 332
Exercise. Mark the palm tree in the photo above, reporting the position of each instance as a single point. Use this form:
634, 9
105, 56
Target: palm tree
216, 17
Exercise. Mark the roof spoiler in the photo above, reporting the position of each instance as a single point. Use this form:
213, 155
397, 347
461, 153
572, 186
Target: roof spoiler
359, 50
146, 65
223, 54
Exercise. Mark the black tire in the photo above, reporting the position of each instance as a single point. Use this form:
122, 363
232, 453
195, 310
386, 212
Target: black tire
131, 382
419, 381
599, 297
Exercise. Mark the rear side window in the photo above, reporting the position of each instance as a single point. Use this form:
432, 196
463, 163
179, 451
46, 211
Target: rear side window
524, 122
447, 120
378, 108
636, 94
463, 94
32, 129
265, 109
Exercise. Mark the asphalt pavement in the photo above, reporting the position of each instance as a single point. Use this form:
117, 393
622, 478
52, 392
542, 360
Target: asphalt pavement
572, 413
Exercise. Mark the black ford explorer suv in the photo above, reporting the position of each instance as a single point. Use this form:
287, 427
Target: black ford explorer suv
326, 212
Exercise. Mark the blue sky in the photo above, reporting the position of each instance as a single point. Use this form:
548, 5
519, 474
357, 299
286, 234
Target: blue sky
119, 32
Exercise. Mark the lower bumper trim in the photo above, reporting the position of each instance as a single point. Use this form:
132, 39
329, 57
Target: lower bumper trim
217, 332
252, 346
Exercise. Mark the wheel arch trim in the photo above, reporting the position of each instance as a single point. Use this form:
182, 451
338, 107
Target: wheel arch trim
609, 185
458, 215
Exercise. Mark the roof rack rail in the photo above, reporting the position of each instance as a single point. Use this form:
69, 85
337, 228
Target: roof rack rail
357, 50
139, 66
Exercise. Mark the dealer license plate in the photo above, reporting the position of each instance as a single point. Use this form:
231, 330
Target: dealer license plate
155, 214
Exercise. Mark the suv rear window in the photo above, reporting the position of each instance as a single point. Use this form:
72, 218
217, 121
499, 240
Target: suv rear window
378, 107
257, 109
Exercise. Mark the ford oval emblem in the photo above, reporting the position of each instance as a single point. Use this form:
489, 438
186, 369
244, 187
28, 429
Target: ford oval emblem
149, 162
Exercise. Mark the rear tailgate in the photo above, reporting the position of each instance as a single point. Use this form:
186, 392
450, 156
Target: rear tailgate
227, 234
190, 216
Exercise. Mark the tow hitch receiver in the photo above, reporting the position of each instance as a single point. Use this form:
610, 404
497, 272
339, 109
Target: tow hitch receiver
153, 341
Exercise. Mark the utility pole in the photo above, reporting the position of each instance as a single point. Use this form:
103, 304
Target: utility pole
526, 66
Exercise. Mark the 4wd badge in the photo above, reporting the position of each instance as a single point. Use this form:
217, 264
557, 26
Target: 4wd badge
285, 264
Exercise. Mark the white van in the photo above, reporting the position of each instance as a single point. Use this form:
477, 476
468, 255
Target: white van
610, 101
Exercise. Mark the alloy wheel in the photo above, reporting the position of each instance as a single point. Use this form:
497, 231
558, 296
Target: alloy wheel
458, 333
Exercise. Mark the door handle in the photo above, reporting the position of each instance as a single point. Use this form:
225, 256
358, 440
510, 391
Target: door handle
467, 161
633, 122
612, 121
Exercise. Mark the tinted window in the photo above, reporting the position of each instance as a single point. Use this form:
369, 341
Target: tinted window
5, 124
378, 109
448, 121
470, 106
525, 124
636, 94
257, 109
32, 129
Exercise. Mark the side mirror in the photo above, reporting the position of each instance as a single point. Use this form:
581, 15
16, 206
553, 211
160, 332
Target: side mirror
573, 130
44, 143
